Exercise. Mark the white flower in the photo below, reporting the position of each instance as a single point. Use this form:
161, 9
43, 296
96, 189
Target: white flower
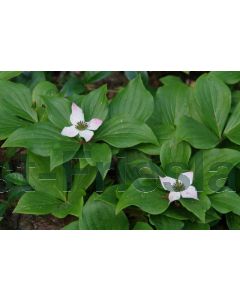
181, 187
79, 126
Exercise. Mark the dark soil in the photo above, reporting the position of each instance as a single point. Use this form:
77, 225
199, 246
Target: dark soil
29, 222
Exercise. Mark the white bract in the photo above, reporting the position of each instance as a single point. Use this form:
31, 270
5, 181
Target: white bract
181, 187
79, 126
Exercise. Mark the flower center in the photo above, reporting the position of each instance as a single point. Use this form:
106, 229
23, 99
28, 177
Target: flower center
81, 125
178, 186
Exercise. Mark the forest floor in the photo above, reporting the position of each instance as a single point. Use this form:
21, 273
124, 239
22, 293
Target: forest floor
13, 221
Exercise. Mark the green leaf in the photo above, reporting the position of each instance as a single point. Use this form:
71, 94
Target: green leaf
178, 213
75, 198
41, 90
133, 74
146, 195
16, 178
229, 77
165, 223
121, 132
170, 80
83, 178
233, 221
196, 226
226, 201
109, 194
59, 111
173, 152
213, 102
211, 168
94, 76
95, 104
142, 226
72, 226
196, 133
84, 156
212, 215
51, 189
164, 132
60, 156
133, 165
15, 98
73, 85
197, 207
44, 140
100, 215
235, 99
9, 123
37, 203
73, 205
101, 155
133, 101
3, 208
232, 130
149, 149
42, 179
6, 75
35, 78
171, 103
16, 192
